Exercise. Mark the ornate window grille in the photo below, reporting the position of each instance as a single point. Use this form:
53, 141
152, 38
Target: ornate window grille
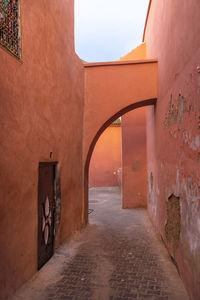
10, 26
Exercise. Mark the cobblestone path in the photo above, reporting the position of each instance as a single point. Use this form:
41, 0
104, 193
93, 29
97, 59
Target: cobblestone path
117, 257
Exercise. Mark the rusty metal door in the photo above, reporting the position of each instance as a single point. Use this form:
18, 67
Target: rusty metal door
46, 207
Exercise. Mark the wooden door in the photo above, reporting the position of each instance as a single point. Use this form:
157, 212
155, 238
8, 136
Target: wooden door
46, 209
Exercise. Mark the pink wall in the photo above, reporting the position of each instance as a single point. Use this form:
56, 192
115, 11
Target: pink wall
106, 158
134, 173
110, 93
41, 107
173, 137
109, 89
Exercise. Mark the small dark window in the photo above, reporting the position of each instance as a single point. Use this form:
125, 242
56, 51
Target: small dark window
10, 26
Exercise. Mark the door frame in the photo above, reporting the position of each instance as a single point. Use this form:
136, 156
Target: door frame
53, 164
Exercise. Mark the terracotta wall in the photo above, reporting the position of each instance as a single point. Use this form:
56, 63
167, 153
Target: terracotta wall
106, 158
111, 90
173, 139
41, 106
134, 173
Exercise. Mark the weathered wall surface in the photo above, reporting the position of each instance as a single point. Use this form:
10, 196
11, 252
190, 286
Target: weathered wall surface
41, 101
134, 172
106, 158
173, 137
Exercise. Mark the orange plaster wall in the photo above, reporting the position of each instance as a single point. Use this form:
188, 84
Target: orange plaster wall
110, 87
106, 158
41, 111
173, 136
137, 53
134, 173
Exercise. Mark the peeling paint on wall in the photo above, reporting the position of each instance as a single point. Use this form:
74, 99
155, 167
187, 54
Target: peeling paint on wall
198, 157
193, 142
152, 199
173, 134
189, 191
199, 122
186, 136
176, 111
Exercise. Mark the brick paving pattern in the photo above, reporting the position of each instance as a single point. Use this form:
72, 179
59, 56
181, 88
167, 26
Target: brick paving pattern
118, 257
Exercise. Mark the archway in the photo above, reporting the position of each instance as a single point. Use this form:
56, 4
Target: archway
95, 139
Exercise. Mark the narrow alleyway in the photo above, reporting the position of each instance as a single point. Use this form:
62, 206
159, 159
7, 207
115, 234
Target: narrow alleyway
118, 256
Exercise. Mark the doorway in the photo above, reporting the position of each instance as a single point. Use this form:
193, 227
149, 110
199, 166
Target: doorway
46, 209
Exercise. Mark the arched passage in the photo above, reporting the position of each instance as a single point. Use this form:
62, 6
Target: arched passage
110, 87
95, 139
111, 90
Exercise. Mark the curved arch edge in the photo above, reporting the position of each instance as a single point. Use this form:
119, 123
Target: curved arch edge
120, 113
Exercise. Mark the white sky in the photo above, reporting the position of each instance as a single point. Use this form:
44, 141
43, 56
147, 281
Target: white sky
105, 30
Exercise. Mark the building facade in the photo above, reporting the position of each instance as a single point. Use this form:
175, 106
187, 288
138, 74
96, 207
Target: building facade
41, 93
173, 137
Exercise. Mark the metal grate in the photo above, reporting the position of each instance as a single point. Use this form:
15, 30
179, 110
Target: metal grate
9, 26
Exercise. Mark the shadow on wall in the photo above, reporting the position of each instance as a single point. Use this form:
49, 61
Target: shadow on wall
106, 158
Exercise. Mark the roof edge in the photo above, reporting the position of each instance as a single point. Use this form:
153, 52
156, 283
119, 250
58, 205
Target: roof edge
145, 26
119, 62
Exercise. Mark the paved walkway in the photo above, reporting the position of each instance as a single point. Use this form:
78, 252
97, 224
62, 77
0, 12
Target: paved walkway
117, 257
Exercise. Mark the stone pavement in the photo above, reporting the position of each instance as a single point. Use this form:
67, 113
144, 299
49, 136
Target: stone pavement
117, 257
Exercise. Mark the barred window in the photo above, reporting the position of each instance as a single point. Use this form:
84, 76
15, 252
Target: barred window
10, 26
